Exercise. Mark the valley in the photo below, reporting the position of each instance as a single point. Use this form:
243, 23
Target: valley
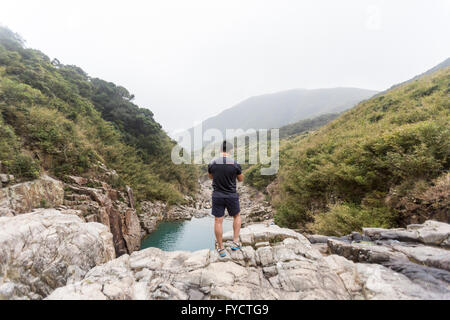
92, 207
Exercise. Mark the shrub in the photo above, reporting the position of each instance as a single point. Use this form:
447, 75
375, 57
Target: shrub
345, 218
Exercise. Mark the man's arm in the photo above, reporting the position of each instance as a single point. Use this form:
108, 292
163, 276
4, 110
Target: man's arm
210, 171
239, 175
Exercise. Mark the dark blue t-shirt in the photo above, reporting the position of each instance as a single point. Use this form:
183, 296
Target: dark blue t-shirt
224, 171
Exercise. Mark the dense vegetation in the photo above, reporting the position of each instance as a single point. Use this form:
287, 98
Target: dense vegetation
345, 175
54, 117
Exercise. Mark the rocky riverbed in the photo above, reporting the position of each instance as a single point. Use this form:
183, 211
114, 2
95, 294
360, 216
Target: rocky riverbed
53, 255
254, 207
85, 247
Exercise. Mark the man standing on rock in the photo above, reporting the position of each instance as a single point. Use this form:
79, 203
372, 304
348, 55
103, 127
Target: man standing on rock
224, 171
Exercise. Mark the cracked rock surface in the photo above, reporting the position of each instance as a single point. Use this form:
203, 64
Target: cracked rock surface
274, 263
46, 249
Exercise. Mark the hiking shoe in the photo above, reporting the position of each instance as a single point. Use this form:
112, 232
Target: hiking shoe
222, 252
235, 246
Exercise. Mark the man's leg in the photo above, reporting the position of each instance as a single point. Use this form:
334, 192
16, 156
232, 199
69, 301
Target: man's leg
236, 227
218, 231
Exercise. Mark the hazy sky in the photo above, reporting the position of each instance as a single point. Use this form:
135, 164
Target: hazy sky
187, 60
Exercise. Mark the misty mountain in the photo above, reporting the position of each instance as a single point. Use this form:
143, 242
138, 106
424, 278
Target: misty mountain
282, 108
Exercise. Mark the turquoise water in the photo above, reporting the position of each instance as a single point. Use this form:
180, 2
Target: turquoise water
187, 235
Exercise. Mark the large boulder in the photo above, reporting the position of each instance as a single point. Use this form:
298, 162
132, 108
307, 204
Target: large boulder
419, 252
376, 282
45, 249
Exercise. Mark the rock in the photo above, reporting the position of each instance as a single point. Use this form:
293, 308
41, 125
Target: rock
42, 250
316, 238
382, 283
430, 232
77, 180
110, 207
262, 244
376, 282
429, 256
180, 212
264, 233
5, 179
433, 279
130, 197
281, 269
286, 267
433, 232
151, 213
358, 252
321, 247
424, 265
26, 196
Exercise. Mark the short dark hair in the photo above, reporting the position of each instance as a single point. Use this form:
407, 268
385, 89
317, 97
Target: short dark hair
226, 146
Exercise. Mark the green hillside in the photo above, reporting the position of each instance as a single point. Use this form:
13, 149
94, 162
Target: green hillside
55, 118
306, 125
359, 169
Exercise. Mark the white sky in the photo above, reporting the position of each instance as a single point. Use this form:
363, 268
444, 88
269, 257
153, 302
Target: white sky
187, 60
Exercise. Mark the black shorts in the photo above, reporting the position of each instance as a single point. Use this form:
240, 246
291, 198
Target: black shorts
219, 205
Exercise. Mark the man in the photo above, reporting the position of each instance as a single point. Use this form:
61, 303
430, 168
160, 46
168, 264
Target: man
224, 171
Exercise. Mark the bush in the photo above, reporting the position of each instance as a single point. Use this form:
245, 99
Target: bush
25, 167
400, 136
345, 218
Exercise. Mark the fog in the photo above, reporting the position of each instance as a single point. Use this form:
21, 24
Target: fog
188, 60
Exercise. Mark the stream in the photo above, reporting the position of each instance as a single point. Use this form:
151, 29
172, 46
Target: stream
186, 235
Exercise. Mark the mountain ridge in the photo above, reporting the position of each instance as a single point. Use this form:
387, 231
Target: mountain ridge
274, 110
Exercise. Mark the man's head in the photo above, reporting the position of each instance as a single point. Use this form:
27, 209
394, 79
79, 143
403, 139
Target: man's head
226, 147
